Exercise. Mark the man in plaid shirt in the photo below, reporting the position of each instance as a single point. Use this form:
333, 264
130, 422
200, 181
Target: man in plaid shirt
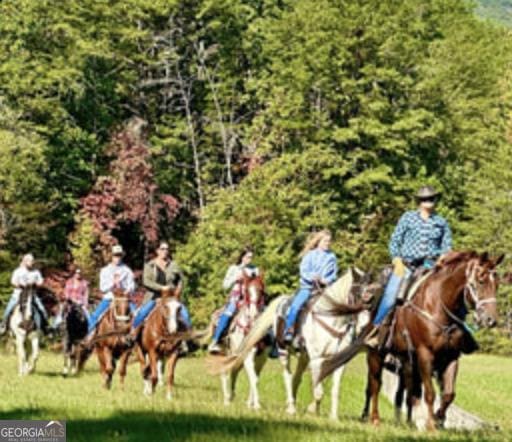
420, 238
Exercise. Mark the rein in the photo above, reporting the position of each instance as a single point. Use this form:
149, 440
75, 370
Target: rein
316, 315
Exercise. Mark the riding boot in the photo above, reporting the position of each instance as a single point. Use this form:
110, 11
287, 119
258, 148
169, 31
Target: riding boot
384, 329
3, 326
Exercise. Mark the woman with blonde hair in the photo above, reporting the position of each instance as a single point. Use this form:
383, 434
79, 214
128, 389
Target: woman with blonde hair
318, 268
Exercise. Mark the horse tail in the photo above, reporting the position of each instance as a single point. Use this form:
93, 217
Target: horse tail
225, 364
203, 340
329, 365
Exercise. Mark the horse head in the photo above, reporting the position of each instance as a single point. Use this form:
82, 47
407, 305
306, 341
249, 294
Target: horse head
121, 306
171, 308
253, 291
481, 288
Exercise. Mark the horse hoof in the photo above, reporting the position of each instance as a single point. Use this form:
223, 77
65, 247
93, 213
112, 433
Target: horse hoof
333, 417
291, 409
168, 396
312, 408
375, 422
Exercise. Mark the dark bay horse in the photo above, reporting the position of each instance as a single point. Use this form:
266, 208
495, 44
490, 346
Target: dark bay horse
109, 341
74, 330
159, 339
429, 333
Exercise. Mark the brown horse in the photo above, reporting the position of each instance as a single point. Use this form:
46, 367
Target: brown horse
429, 333
109, 341
160, 338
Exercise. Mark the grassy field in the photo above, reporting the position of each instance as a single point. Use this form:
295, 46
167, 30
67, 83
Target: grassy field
197, 412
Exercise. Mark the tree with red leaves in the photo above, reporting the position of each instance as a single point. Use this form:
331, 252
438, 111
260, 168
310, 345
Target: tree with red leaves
126, 206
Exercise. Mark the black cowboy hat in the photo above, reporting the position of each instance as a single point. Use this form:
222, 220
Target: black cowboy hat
426, 192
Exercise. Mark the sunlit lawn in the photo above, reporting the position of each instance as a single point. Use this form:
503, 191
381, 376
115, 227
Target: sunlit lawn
198, 414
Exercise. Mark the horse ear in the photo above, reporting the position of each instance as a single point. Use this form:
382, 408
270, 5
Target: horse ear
484, 257
499, 260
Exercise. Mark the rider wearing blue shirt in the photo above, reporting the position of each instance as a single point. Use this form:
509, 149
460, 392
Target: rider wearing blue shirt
420, 238
318, 268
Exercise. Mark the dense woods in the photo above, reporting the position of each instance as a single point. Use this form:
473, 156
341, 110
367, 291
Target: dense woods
220, 123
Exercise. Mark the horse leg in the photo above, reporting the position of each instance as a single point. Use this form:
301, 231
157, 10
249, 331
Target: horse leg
65, 353
335, 391
109, 367
375, 364
425, 367
160, 369
101, 361
22, 355
153, 361
249, 364
399, 396
448, 378
171, 367
34, 355
259, 362
123, 364
284, 358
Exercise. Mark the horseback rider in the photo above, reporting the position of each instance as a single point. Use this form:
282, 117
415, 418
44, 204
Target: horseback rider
160, 274
116, 275
318, 268
232, 282
419, 240
25, 275
76, 290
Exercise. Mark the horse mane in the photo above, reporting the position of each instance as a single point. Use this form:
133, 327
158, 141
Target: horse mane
453, 259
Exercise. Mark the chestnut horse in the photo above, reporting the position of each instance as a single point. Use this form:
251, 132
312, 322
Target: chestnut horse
109, 341
429, 333
160, 338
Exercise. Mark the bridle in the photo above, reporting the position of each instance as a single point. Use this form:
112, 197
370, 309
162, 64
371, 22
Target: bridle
118, 317
471, 288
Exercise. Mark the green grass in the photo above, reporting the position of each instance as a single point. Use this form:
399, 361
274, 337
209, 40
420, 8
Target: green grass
197, 412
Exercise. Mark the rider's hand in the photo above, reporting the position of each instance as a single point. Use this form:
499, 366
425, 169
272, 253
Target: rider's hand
398, 267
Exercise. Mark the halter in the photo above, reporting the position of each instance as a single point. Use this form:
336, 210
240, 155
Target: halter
121, 318
471, 288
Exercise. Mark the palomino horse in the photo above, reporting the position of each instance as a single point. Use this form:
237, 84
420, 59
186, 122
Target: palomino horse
255, 356
429, 333
109, 341
24, 327
160, 339
74, 331
326, 326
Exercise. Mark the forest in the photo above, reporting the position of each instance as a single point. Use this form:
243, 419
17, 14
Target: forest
220, 123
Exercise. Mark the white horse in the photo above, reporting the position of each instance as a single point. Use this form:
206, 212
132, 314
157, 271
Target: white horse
255, 356
24, 328
328, 326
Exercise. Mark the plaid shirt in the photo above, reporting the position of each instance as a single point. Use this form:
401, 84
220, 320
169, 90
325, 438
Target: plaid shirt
77, 291
416, 239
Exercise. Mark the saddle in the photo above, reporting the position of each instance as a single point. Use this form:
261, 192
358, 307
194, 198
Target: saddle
281, 319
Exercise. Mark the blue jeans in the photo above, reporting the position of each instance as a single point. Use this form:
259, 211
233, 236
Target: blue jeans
299, 300
224, 320
13, 301
146, 308
100, 310
389, 297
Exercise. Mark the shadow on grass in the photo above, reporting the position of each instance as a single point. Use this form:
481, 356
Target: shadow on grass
177, 426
